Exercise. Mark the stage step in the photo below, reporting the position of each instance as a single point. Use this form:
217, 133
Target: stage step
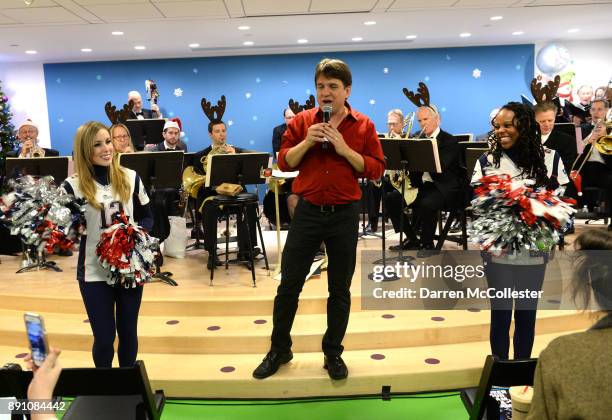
412, 369
248, 334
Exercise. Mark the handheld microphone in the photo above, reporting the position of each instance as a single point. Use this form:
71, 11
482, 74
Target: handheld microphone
327, 111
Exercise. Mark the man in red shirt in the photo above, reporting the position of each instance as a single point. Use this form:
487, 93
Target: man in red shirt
331, 157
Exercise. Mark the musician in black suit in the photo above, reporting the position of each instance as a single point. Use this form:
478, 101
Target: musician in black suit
172, 141
279, 130
552, 138
218, 135
437, 191
27, 134
140, 113
597, 170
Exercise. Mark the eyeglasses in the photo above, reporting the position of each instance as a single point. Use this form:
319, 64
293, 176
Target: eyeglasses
392, 124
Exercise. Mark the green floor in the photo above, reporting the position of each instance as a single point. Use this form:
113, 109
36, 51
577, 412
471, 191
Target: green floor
423, 406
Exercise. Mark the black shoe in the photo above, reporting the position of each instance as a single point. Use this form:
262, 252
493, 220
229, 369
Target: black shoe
64, 252
271, 363
336, 368
406, 246
427, 251
194, 233
610, 227
245, 256
213, 260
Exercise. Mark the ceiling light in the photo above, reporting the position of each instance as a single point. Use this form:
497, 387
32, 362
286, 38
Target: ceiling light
244, 28
117, 33
86, 50
465, 34
302, 41
573, 30
248, 43
194, 45
140, 47
411, 36
31, 52
518, 33
357, 38
496, 17
369, 23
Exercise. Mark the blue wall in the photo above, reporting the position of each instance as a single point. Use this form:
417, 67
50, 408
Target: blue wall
257, 88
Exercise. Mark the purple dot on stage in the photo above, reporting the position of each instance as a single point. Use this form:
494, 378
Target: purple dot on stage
86, 321
172, 322
377, 356
437, 318
213, 328
473, 310
20, 355
227, 369
259, 321
555, 301
432, 361
388, 316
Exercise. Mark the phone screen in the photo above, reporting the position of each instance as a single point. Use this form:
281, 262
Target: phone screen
36, 336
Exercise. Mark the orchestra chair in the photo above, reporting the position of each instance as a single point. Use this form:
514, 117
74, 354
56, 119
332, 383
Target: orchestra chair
99, 393
502, 373
240, 205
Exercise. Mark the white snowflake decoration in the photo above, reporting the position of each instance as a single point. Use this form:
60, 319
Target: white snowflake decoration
476, 73
372, 101
247, 95
178, 92
255, 118
427, 78
386, 70
230, 123
195, 71
60, 120
307, 91
257, 80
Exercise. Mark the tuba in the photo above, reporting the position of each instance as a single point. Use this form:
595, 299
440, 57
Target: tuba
397, 177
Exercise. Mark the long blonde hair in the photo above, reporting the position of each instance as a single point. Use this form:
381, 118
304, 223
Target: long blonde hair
83, 150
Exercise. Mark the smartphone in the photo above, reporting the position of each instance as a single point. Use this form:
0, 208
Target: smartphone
37, 336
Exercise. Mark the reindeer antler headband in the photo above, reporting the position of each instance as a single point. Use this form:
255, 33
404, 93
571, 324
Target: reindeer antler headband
214, 113
296, 107
421, 98
546, 93
120, 116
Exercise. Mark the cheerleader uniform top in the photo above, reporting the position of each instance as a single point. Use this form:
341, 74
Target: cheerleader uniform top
137, 209
555, 171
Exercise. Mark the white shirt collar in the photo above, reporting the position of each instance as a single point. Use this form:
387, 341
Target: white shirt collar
168, 147
434, 135
545, 137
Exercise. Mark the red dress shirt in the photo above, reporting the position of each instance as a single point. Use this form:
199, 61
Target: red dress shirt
326, 177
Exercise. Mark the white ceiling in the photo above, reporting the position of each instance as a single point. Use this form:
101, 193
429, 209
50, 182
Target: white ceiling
59, 29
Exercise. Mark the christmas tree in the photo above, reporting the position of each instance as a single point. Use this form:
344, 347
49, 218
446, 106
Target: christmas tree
7, 137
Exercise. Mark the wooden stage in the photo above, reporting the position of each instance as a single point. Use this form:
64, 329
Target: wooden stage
202, 341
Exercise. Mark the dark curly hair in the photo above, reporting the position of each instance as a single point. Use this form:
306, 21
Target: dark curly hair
530, 152
593, 269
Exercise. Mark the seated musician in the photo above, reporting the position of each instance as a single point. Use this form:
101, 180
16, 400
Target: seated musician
140, 113
279, 130
217, 132
552, 138
27, 134
172, 139
436, 191
122, 140
597, 170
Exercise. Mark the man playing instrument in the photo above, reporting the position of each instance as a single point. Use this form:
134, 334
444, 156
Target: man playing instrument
217, 132
27, 134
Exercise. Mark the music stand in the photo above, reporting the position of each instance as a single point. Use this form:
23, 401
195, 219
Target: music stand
567, 128
57, 167
472, 154
157, 170
407, 155
243, 169
145, 132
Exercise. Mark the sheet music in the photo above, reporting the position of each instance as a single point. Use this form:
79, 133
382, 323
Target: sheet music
277, 173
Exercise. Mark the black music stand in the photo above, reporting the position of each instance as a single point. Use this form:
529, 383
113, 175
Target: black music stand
365, 209
57, 167
243, 169
407, 155
189, 160
157, 170
145, 132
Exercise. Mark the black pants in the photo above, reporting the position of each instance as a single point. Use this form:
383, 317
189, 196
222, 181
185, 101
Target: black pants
516, 277
310, 227
212, 214
428, 203
112, 310
596, 174
373, 195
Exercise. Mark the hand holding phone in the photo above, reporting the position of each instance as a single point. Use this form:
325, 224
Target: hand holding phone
37, 336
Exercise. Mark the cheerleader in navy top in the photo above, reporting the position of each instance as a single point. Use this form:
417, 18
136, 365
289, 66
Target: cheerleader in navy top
108, 189
517, 151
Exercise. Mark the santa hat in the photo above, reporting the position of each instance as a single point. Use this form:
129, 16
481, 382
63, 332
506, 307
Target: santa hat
171, 124
26, 123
